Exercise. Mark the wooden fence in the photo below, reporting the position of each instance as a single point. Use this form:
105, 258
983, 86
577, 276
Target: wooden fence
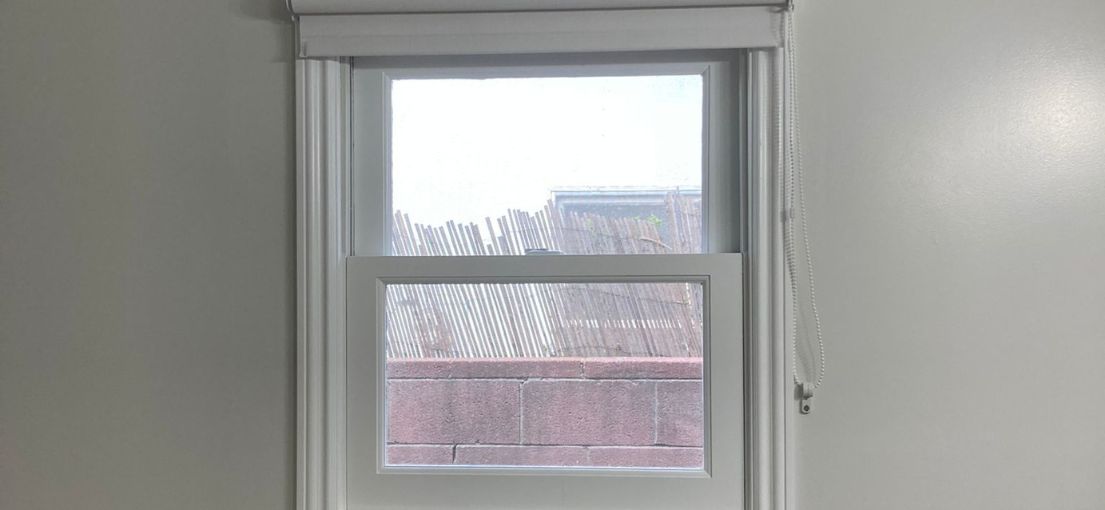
544, 320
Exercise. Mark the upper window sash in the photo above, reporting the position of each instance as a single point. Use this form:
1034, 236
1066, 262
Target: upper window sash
372, 209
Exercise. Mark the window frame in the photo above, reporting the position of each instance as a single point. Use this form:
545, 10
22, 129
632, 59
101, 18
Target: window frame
372, 215
324, 200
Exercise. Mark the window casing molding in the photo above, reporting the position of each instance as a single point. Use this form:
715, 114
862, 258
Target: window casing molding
323, 243
325, 240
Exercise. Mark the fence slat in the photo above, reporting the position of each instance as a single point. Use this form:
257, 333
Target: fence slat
548, 320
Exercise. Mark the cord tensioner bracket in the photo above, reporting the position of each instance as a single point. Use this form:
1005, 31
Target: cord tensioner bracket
805, 406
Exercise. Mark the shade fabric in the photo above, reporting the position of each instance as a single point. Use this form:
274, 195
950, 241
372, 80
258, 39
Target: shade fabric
330, 28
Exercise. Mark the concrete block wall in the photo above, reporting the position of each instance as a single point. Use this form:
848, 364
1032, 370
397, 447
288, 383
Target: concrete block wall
625, 412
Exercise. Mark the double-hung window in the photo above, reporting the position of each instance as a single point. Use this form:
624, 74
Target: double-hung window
531, 235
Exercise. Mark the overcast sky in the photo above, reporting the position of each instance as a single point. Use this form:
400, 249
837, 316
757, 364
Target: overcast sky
466, 149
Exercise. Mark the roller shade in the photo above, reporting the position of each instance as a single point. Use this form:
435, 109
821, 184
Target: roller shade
408, 6
330, 28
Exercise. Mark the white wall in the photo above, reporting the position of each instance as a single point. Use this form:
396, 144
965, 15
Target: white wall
956, 152
146, 255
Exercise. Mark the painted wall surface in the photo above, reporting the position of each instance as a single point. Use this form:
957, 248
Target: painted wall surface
147, 256
956, 154
957, 175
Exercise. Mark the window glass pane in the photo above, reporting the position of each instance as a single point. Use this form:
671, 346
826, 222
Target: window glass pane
545, 375
578, 165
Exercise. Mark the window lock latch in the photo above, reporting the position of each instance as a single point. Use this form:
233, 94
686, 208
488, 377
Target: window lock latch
543, 251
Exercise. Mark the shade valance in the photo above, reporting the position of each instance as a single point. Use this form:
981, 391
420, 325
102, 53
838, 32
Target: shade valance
452, 27
306, 7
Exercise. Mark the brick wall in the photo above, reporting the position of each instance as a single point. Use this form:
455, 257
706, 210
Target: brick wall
628, 412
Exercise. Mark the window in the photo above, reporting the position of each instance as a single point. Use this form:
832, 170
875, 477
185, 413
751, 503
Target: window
537, 243
538, 295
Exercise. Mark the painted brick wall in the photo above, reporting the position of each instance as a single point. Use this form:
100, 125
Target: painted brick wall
628, 412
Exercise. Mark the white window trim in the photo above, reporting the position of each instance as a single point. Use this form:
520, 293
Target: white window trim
323, 128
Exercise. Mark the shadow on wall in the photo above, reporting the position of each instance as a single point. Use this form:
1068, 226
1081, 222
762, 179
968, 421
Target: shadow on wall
267, 10
270, 11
